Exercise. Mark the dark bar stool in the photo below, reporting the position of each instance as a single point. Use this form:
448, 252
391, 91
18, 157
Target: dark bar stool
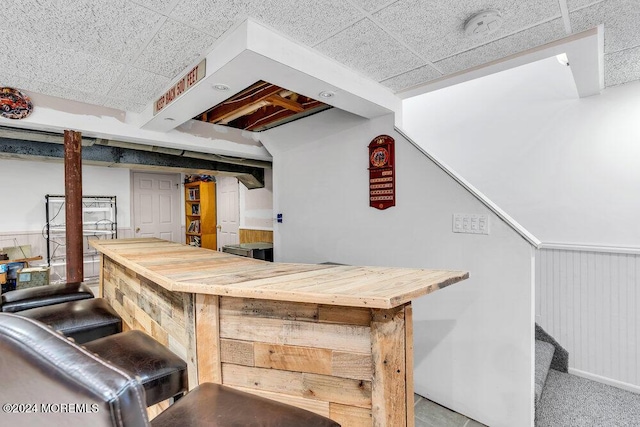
162, 373
94, 323
41, 296
83, 320
215, 405
72, 310
43, 365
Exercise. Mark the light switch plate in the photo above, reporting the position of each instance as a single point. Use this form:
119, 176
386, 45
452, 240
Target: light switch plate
471, 223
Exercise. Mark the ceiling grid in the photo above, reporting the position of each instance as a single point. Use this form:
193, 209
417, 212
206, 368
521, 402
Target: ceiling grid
565, 15
397, 38
123, 53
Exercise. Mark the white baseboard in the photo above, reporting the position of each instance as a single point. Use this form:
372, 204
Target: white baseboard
604, 380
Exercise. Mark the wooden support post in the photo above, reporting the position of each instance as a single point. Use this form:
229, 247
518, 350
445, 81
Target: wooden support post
101, 277
389, 390
208, 338
73, 204
408, 342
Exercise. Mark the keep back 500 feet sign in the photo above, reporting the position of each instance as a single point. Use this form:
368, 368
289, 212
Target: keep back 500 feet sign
382, 178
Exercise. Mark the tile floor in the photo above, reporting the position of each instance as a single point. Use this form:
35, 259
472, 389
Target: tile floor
430, 414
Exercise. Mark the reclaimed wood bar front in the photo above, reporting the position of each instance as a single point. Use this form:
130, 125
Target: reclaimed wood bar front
333, 339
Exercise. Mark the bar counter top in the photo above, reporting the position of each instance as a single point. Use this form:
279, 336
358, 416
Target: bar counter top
181, 268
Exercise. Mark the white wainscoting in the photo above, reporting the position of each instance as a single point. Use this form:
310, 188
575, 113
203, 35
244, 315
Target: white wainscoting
588, 299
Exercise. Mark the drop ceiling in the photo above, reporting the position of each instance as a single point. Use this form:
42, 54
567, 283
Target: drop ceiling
124, 53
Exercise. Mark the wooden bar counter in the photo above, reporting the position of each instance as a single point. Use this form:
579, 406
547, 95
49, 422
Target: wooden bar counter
336, 340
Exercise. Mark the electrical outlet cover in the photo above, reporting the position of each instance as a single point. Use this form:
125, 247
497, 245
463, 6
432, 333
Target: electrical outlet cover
470, 223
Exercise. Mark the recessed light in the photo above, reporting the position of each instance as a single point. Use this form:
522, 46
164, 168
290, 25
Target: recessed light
563, 59
483, 23
326, 94
169, 119
221, 87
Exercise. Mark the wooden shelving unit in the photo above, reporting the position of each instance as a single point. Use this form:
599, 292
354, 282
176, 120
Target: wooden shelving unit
200, 212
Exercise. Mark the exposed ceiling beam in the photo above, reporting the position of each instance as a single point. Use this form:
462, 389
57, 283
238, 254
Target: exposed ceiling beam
265, 115
261, 106
102, 155
57, 138
274, 116
243, 111
253, 96
285, 103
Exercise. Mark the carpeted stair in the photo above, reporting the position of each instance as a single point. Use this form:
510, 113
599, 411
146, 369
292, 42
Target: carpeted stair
544, 355
565, 400
560, 360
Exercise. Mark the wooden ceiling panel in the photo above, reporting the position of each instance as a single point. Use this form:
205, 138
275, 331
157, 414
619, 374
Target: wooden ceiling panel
262, 106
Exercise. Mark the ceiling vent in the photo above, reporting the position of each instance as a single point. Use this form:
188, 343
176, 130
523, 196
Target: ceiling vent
483, 23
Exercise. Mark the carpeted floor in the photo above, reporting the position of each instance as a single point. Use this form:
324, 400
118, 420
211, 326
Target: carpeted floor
571, 401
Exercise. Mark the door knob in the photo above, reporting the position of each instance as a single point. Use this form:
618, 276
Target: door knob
219, 227
137, 229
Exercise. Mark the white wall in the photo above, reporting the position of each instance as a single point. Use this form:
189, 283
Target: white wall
473, 340
24, 184
565, 168
590, 302
256, 206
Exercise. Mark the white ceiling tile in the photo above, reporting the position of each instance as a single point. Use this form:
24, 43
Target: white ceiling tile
621, 22
16, 82
91, 98
577, 4
62, 67
622, 67
370, 5
77, 49
366, 48
435, 29
52, 90
116, 103
88, 98
57, 91
173, 48
124, 104
72, 94
31, 17
412, 78
307, 21
213, 17
114, 29
161, 6
140, 86
506, 46
69, 94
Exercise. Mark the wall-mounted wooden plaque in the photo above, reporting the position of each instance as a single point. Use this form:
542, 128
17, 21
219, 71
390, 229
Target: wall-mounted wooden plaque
382, 178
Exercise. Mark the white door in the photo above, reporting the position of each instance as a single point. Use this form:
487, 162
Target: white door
156, 202
228, 211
